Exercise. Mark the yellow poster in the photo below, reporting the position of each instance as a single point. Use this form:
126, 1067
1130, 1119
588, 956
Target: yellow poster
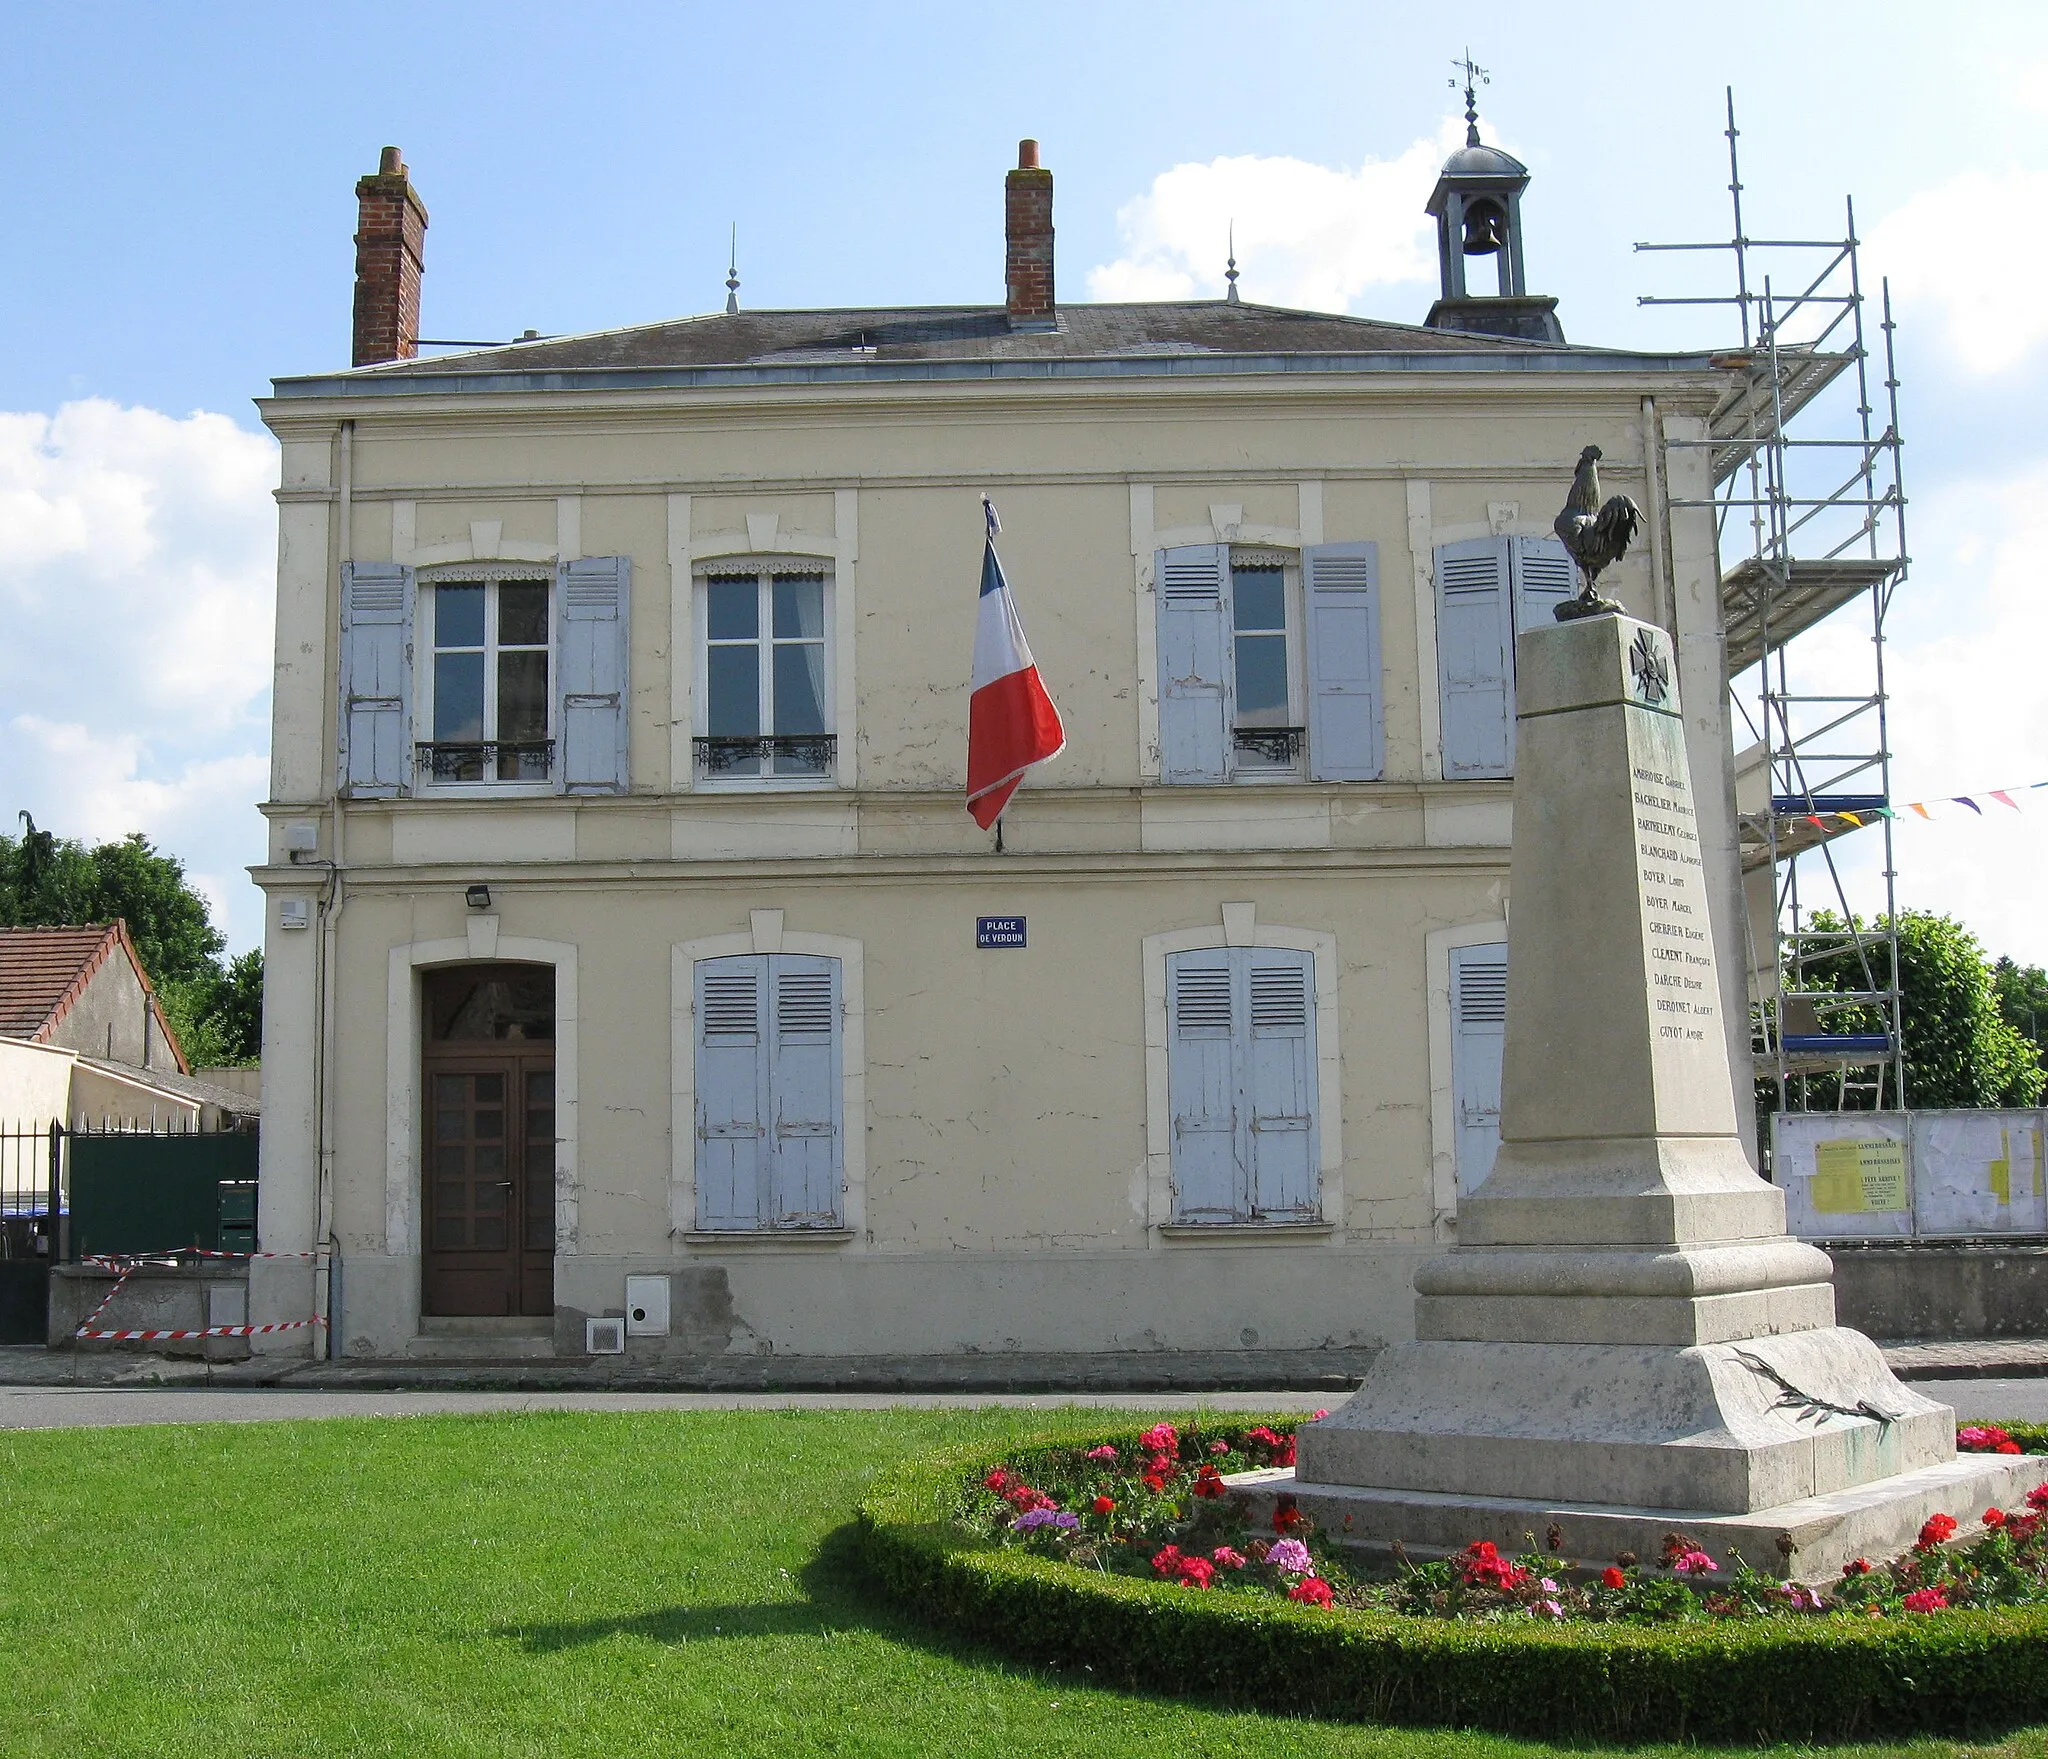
1859, 1178
2001, 1170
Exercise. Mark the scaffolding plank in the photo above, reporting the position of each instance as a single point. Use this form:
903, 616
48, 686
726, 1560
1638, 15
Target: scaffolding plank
1793, 595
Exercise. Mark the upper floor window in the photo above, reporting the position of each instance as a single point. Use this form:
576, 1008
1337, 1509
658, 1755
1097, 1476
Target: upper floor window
765, 675
520, 679
1487, 590
492, 647
1269, 663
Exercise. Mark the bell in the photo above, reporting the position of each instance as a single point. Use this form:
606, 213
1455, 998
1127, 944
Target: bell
1484, 225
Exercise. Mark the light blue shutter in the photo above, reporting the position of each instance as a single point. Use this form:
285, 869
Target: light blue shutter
803, 1086
596, 629
1194, 670
376, 678
1278, 1046
1475, 657
1341, 583
1202, 1087
1545, 576
1479, 1023
732, 1091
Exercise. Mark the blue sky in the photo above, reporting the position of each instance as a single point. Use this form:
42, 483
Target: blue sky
178, 229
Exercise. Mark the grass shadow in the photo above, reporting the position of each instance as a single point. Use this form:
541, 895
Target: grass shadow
675, 1624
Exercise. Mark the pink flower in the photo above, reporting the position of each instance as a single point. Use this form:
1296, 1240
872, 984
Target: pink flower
1292, 1556
1167, 1561
1105, 1452
1319, 1416
1803, 1599
1985, 1438
1225, 1558
1161, 1438
1694, 1563
1927, 1600
1552, 1607
1547, 1585
1311, 1591
1219, 1447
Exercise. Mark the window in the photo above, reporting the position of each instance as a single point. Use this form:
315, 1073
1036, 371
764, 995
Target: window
520, 682
490, 687
1269, 663
768, 1058
1479, 1024
1487, 590
1241, 1077
765, 683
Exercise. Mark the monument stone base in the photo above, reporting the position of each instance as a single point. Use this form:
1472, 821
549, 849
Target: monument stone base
1875, 1521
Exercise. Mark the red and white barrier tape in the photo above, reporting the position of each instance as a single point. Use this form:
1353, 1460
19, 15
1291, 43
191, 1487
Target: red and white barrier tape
204, 1331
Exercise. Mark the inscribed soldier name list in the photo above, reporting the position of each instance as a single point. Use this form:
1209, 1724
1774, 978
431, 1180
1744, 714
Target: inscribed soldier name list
1624, 1334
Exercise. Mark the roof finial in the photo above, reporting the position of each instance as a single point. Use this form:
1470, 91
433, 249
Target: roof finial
1475, 76
732, 273
1230, 274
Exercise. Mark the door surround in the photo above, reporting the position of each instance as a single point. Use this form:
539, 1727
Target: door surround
402, 1076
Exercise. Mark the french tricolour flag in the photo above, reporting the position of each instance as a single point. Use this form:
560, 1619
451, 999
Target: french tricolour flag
1011, 723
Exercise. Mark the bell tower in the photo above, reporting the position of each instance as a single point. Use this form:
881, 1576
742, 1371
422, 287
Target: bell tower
1477, 205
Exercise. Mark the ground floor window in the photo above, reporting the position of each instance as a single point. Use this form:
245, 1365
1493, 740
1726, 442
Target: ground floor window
768, 1126
1479, 1025
1241, 1074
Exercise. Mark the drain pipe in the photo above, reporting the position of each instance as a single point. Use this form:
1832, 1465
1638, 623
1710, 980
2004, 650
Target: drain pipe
330, 920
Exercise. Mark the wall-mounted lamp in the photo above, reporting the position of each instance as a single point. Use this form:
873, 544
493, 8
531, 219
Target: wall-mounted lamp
478, 897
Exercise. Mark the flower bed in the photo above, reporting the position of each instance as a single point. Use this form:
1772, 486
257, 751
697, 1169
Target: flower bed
1127, 1556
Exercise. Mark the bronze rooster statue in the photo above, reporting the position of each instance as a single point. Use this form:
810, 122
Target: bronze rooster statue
1597, 536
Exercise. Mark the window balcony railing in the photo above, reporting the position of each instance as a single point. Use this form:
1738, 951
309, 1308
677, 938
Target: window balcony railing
486, 760
1277, 746
775, 754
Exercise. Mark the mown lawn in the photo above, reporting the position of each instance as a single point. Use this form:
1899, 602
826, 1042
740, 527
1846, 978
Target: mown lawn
617, 1586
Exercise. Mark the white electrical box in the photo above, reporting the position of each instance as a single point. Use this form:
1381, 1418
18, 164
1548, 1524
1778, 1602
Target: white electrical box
604, 1337
647, 1306
301, 836
294, 913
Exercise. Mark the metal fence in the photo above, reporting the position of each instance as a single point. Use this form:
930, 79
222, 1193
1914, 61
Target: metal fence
32, 1161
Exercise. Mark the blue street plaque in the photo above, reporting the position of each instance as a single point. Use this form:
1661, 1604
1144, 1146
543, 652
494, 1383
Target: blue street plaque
999, 931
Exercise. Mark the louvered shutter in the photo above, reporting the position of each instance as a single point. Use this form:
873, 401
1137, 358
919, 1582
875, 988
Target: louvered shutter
1194, 670
803, 1084
1475, 657
376, 678
1479, 1020
1545, 576
1279, 1057
596, 629
732, 1091
1202, 1087
1341, 583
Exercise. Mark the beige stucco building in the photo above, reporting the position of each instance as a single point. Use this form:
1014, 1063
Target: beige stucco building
623, 906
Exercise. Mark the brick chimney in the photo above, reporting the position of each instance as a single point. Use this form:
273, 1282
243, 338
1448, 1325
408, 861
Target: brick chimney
1027, 228
391, 232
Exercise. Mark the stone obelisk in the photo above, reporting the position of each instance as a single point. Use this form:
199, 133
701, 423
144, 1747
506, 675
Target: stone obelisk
1624, 1338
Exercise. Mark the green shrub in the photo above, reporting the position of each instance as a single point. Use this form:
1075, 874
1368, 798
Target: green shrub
1828, 1678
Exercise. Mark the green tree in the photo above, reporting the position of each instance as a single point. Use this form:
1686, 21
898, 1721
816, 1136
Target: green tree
2023, 1000
1960, 1048
49, 881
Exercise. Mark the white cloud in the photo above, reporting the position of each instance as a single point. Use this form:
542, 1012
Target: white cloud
1963, 666
1312, 236
1969, 254
137, 558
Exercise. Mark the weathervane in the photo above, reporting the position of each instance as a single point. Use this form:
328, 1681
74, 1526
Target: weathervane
1230, 273
732, 273
1475, 76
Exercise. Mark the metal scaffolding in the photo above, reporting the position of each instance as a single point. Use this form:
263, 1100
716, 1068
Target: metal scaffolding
1826, 515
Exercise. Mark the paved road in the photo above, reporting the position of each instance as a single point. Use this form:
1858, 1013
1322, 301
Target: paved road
98, 1407
1979, 1401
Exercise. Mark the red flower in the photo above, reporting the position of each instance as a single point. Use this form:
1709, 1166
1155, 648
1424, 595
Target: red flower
1927, 1600
1161, 1438
1284, 1454
1483, 1566
1311, 1591
1612, 1578
1168, 1561
1155, 1482
1289, 1519
1938, 1528
1196, 1572
1994, 1517
1857, 1567
1102, 1505
1263, 1436
2037, 1498
1209, 1482
2007, 1447
998, 1481
1024, 1499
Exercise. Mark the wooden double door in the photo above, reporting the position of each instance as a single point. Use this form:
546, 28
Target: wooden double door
490, 1146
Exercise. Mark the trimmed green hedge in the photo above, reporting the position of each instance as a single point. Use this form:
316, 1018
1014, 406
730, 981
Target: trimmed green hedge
1829, 1678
